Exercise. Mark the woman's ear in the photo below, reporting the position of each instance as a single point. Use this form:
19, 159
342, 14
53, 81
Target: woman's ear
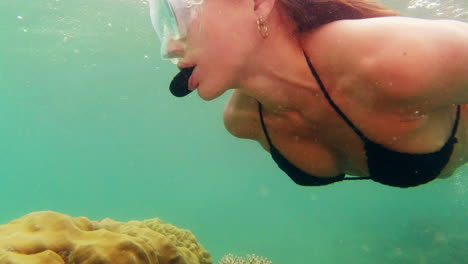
263, 7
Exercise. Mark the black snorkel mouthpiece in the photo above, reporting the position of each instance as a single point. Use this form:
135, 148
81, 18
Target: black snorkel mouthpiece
180, 84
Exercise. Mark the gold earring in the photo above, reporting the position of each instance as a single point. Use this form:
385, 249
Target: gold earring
262, 27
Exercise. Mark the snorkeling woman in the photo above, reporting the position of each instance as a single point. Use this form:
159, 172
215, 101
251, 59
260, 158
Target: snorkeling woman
329, 87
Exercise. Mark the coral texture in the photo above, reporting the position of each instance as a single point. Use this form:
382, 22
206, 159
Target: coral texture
54, 238
250, 259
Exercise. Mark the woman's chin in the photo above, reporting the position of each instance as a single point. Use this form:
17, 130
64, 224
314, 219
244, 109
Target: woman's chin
205, 96
209, 94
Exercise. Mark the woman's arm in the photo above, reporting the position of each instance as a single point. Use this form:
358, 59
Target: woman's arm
241, 116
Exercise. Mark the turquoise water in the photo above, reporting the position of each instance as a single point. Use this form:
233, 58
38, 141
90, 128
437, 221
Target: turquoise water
88, 128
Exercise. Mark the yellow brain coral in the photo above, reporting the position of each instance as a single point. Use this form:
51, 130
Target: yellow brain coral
54, 238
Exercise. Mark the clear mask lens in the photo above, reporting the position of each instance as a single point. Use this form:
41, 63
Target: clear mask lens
171, 20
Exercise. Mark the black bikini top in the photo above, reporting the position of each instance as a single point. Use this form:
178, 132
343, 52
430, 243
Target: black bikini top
385, 166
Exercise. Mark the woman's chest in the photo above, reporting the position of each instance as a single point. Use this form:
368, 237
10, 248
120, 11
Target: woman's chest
335, 146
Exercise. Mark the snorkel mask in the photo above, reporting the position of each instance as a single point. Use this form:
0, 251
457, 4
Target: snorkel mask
171, 19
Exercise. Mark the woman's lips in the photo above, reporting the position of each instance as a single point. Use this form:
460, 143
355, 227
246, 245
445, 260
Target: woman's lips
193, 83
190, 83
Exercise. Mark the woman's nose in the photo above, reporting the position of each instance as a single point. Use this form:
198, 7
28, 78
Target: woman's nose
175, 49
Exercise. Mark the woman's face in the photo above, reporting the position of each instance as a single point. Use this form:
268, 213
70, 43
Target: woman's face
219, 41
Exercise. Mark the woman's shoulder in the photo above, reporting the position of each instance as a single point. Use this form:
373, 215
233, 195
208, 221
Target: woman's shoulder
398, 57
361, 38
376, 25
344, 41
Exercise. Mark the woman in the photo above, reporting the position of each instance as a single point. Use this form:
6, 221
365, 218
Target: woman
333, 87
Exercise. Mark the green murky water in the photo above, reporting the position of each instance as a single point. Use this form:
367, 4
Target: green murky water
88, 127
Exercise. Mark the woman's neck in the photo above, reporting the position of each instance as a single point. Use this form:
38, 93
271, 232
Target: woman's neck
278, 77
